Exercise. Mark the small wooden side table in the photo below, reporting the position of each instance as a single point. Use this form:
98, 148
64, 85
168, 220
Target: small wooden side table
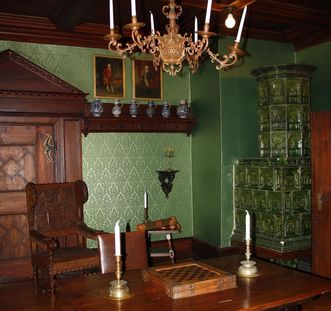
163, 252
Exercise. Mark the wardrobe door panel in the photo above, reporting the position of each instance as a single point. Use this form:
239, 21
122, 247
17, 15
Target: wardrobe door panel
321, 192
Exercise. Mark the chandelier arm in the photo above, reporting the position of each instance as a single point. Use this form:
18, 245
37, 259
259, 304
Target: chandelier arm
138, 40
113, 43
228, 60
194, 51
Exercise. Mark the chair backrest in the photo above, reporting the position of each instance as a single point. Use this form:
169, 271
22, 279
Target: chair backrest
56, 209
133, 249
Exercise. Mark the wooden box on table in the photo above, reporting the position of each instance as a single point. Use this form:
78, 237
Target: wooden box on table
189, 279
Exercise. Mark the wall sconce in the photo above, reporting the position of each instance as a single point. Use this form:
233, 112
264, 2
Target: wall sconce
167, 177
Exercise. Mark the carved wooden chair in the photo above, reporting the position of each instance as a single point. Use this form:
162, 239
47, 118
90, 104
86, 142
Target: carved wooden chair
57, 231
133, 249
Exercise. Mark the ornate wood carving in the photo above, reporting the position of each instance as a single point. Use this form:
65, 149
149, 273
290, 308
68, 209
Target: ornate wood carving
38, 90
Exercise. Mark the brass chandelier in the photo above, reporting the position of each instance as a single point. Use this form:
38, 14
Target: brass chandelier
171, 49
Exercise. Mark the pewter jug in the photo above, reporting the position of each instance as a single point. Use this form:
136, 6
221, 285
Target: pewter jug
96, 108
165, 111
150, 111
134, 108
117, 109
183, 109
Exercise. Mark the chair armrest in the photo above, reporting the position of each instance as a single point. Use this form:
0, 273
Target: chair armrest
88, 232
42, 239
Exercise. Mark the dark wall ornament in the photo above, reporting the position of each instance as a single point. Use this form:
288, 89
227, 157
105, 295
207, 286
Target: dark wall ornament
166, 179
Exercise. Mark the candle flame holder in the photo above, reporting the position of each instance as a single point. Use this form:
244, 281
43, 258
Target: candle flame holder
248, 267
118, 289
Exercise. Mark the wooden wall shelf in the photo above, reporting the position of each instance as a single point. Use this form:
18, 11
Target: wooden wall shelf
125, 123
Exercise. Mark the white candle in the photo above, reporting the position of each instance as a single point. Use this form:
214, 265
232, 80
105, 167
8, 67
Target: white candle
133, 8
152, 24
208, 11
145, 200
195, 29
111, 14
117, 239
241, 25
248, 226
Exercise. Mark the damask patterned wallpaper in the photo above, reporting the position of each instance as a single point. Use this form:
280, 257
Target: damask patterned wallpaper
119, 167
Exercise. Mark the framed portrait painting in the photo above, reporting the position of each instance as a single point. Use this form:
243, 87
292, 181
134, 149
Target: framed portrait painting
147, 82
108, 77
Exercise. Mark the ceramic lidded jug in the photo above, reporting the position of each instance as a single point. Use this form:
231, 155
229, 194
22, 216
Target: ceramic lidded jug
117, 109
96, 108
150, 111
134, 108
165, 111
183, 109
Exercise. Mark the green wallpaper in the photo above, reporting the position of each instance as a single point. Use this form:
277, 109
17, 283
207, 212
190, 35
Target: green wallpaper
119, 167
318, 57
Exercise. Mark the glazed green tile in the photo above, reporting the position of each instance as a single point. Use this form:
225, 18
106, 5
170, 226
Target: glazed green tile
278, 117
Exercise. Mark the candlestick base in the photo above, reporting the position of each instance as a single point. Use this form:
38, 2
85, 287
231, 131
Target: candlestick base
119, 290
248, 269
234, 48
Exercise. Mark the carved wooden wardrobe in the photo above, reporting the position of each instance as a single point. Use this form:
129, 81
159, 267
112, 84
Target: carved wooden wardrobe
41, 118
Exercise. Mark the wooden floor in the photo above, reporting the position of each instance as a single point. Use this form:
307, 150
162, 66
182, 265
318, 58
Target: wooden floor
20, 296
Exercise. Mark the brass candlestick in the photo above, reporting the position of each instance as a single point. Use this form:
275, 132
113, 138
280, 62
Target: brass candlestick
248, 267
118, 289
146, 220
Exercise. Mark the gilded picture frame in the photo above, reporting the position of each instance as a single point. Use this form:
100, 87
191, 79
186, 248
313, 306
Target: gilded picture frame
146, 81
108, 76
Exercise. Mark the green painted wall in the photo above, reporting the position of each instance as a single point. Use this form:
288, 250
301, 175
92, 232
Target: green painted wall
118, 168
206, 154
318, 56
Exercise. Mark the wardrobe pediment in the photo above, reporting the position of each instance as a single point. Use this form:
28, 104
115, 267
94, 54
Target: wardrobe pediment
27, 88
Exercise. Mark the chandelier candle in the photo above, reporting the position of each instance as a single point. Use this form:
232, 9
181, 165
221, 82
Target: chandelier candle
111, 14
241, 25
195, 29
208, 12
133, 8
152, 24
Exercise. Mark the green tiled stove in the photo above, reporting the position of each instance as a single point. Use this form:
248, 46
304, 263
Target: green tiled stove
275, 188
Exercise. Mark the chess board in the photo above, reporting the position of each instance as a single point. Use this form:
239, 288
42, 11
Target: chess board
189, 279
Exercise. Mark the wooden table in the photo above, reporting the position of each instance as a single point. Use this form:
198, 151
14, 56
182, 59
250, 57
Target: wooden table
275, 287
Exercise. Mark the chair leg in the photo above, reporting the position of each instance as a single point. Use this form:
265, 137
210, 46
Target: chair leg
35, 278
52, 288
